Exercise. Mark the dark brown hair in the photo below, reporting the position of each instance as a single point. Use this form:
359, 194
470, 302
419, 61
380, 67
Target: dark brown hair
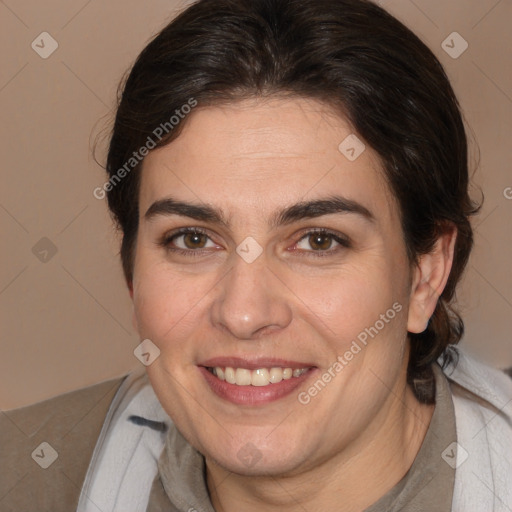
353, 56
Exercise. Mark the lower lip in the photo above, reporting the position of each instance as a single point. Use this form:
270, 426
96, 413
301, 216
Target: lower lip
253, 395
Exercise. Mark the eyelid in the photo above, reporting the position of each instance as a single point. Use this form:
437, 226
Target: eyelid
184, 231
341, 239
168, 237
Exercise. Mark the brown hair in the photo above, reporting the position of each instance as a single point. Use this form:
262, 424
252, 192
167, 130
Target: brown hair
353, 56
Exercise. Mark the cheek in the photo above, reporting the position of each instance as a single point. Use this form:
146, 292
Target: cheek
346, 302
166, 303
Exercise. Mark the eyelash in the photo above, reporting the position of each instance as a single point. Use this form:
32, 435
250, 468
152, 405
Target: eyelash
168, 238
343, 242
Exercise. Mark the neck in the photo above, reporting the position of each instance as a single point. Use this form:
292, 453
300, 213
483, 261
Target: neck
354, 477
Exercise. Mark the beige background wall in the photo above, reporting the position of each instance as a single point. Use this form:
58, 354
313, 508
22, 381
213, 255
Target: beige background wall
66, 317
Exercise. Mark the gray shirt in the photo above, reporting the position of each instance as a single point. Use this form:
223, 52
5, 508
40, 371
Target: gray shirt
180, 485
428, 485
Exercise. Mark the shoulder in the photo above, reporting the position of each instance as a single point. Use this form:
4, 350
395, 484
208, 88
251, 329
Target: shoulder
47, 447
472, 379
59, 410
482, 399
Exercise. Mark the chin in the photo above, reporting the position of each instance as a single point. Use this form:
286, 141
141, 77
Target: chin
256, 456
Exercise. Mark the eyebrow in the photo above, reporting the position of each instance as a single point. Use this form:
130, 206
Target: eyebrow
296, 212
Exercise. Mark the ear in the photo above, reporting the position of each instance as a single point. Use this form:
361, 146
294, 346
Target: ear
429, 279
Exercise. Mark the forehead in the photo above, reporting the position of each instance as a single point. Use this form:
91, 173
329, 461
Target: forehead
255, 155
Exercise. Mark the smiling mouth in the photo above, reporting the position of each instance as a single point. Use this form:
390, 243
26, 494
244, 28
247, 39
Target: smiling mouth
259, 377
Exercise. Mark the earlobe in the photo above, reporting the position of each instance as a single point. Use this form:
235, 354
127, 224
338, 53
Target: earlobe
429, 280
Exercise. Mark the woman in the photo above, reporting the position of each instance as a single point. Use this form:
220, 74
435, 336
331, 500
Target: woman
291, 182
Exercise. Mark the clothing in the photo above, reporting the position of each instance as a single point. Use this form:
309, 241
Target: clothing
483, 411
71, 423
427, 486
124, 462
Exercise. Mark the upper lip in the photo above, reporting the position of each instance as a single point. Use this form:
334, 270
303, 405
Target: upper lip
253, 363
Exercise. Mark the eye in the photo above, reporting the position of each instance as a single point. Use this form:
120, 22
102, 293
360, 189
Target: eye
321, 241
191, 241
187, 240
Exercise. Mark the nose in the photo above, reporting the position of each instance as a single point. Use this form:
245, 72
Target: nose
251, 301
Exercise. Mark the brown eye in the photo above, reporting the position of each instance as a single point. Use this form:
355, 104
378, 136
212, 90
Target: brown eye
188, 239
320, 241
194, 240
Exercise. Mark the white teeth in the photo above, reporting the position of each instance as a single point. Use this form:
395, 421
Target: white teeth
242, 377
259, 377
229, 375
276, 375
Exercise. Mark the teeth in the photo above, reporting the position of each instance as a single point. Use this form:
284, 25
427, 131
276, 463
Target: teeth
229, 375
276, 375
242, 377
259, 377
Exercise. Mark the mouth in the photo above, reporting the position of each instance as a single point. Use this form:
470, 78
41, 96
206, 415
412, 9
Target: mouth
254, 382
259, 377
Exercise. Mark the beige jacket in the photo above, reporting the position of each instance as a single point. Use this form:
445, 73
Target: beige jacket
70, 424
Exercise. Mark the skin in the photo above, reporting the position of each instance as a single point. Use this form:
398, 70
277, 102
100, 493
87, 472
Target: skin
359, 435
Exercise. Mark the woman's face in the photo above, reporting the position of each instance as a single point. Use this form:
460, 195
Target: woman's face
265, 282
